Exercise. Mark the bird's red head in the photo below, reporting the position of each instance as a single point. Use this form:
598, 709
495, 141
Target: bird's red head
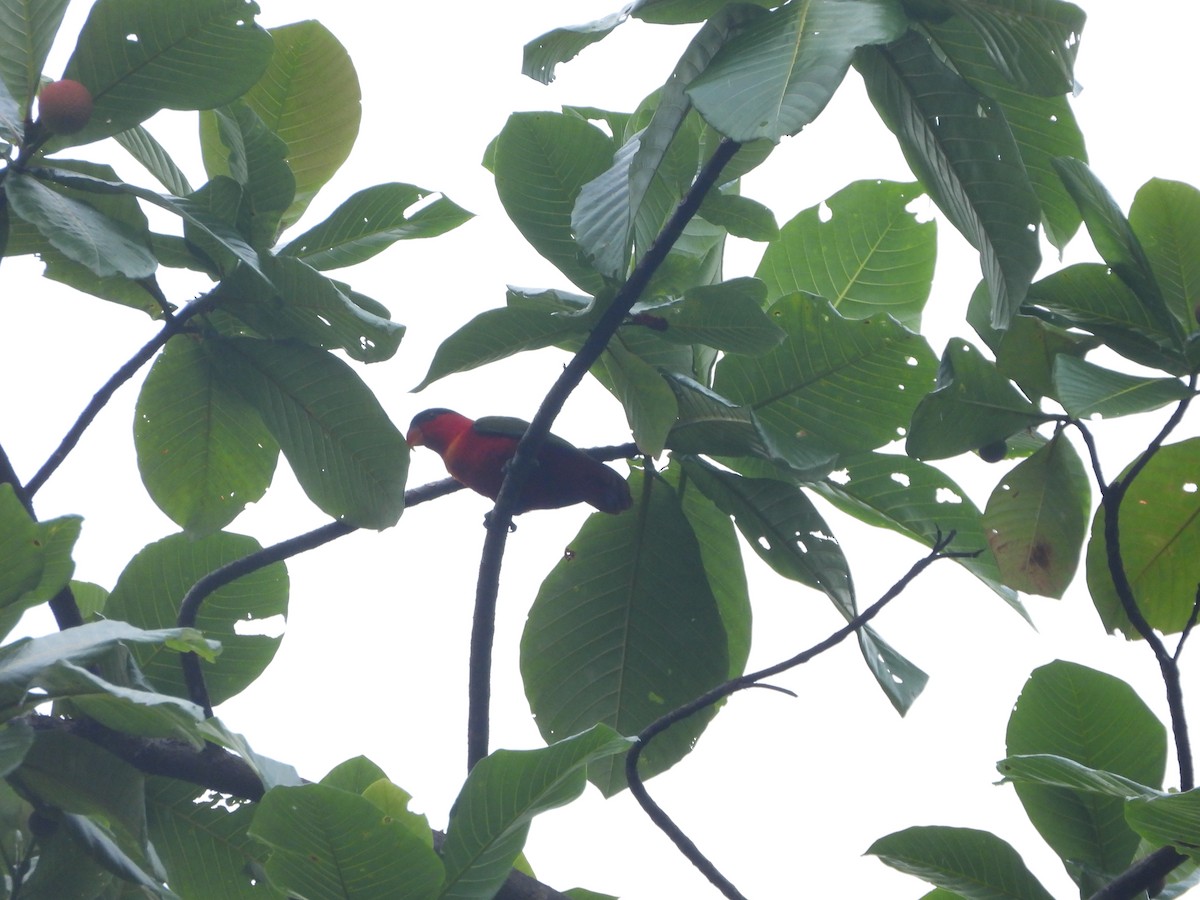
436, 428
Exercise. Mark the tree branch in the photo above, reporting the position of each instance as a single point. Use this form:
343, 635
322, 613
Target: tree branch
637, 787
488, 585
122, 375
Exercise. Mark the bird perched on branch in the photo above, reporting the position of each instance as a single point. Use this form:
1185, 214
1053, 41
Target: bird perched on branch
477, 453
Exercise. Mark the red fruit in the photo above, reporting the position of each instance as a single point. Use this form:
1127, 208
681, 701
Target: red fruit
64, 107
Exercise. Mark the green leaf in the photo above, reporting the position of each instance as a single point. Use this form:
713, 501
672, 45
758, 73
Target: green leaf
850, 386
1086, 390
1165, 216
84, 234
1091, 296
15, 740
1094, 719
862, 250
497, 334
973, 864
1058, 771
958, 143
503, 793
354, 775
1044, 127
777, 74
29, 31
740, 216
1160, 544
1036, 519
326, 842
255, 157
649, 402
202, 450
347, 455
560, 45
203, 842
310, 307
625, 629
25, 659
35, 557
309, 96
542, 161
142, 146
784, 528
680, 12
1172, 820
1116, 242
915, 499
726, 316
183, 54
98, 841
973, 405
1032, 43
370, 221
638, 191
150, 589
723, 566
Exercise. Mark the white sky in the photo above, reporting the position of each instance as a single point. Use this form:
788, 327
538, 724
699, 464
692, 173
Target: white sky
784, 795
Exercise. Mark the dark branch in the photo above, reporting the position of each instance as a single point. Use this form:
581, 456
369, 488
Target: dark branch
500, 520
637, 787
102, 396
1144, 874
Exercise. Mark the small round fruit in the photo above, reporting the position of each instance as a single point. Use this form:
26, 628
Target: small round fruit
64, 107
993, 451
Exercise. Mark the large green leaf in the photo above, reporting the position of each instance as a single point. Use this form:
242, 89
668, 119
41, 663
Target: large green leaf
24, 660
309, 96
625, 629
1160, 544
491, 815
140, 56
862, 250
256, 158
142, 146
1165, 216
1092, 297
104, 245
311, 307
625, 194
1095, 719
1172, 820
149, 590
327, 842
680, 12
906, 495
541, 162
649, 402
1031, 43
545, 52
958, 143
1116, 241
973, 406
776, 75
370, 221
850, 386
1086, 390
1036, 519
202, 450
726, 316
29, 27
346, 453
1043, 126
35, 557
975, 865
1058, 771
203, 842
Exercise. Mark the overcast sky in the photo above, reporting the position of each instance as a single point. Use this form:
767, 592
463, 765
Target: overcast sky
783, 794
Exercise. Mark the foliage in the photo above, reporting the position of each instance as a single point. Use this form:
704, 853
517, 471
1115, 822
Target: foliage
746, 396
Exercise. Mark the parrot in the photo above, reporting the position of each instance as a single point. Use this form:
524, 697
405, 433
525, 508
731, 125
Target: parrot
477, 451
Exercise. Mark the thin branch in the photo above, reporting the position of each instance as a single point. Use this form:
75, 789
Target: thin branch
637, 787
500, 520
110, 387
1143, 875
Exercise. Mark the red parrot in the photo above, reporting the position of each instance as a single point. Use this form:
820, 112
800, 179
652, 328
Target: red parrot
476, 453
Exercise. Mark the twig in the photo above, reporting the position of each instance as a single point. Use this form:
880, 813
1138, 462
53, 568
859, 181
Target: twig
484, 623
637, 787
1148, 871
102, 396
